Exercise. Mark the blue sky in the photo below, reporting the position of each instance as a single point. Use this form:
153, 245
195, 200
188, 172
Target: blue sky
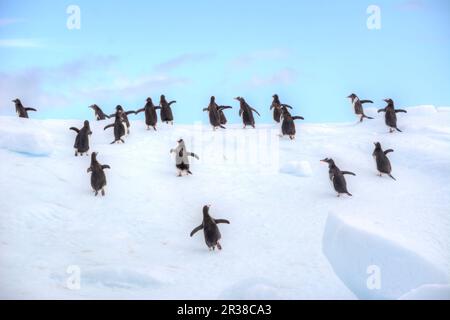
312, 53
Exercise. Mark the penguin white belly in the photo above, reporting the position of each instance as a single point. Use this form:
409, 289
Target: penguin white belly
125, 128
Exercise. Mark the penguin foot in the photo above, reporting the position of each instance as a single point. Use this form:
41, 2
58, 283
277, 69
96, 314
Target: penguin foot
96, 193
76, 154
292, 137
103, 192
219, 246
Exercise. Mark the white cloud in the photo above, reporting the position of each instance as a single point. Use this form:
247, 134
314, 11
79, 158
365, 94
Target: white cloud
284, 76
20, 43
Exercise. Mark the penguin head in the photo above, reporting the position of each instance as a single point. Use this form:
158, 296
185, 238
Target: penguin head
16, 101
94, 156
206, 210
86, 124
213, 99
149, 100
119, 108
163, 98
377, 145
389, 101
352, 96
275, 97
93, 106
329, 161
240, 99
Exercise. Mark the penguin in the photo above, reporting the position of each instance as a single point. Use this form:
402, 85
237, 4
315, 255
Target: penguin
98, 112
124, 114
277, 108
21, 111
81, 144
210, 229
119, 126
288, 125
214, 113
181, 158
166, 110
358, 106
246, 112
98, 178
151, 118
382, 161
390, 115
337, 177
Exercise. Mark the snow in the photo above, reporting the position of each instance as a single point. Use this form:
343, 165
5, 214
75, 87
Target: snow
428, 292
290, 237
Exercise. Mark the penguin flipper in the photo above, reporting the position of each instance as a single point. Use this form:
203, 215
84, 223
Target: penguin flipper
366, 101
130, 112
109, 126
387, 151
111, 115
171, 102
286, 106
224, 107
222, 221
398, 129
255, 111
74, 129
400, 110
194, 155
392, 177
298, 118
348, 172
105, 166
381, 110
222, 126
200, 227
30, 109
139, 111
240, 112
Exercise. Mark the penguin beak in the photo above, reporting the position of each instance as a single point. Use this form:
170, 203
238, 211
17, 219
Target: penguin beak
386, 100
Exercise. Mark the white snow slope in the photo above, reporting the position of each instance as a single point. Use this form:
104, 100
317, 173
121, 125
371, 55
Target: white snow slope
290, 237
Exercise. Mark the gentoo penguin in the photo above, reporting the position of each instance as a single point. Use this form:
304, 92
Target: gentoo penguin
358, 106
288, 125
81, 144
151, 118
98, 112
382, 161
21, 111
98, 178
210, 229
390, 115
124, 114
214, 113
277, 108
181, 158
166, 110
337, 177
119, 126
246, 112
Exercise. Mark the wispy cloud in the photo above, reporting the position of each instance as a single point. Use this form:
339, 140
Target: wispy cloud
181, 60
250, 58
284, 76
20, 43
7, 21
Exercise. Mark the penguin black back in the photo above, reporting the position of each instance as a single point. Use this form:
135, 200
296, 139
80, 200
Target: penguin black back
390, 116
98, 177
288, 125
358, 106
98, 112
337, 177
21, 111
210, 229
166, 110
151, 117
246, 112
119, 127
81, 144
382, 161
